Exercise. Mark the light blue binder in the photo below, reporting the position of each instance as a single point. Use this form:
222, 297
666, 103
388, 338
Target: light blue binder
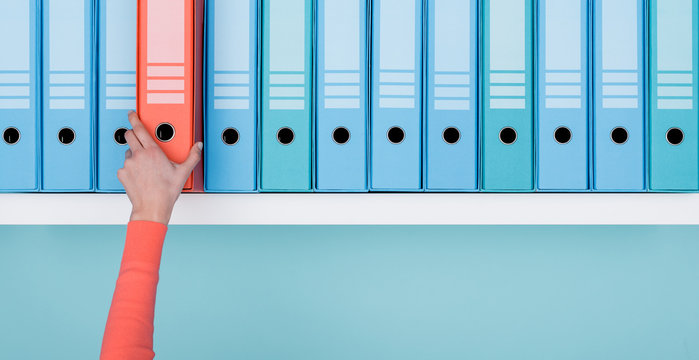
230, 121
674, 96
341, 100
116, 93
619, 106
396, 110
562, 113
19, 96
452, 96
67, 88
286, 141
507, 159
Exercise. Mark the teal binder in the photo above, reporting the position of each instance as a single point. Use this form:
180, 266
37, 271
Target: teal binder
507, 162
673, 132
286, 141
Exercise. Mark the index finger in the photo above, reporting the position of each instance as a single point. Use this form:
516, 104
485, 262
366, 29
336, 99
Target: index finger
140, 130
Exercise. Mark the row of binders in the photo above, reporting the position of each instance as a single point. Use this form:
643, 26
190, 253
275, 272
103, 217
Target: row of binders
355, 95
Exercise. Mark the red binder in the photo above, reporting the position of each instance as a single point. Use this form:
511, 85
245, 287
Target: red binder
170, 37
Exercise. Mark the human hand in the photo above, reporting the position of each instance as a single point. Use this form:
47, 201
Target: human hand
153, 182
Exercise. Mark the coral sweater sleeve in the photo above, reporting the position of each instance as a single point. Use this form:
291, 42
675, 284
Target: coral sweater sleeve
129, 330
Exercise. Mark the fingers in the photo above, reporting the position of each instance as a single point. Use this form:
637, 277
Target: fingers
140, 130
128, 154
132, 140
192, 160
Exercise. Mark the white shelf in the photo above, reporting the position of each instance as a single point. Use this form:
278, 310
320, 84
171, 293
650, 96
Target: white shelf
363, 209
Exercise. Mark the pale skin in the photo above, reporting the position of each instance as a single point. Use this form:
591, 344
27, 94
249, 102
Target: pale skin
153, 182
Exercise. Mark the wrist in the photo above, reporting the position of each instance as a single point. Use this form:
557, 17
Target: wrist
153, 215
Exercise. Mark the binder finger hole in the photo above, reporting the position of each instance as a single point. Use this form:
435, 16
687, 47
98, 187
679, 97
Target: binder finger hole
120, 136
674, 136
396, 135
230, 136
619, 135
11, 136
508, 136
285, 136
341, 135
451, 135
165, 132
562, 135
66, 136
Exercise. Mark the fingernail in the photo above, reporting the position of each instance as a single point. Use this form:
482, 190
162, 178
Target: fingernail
200, 145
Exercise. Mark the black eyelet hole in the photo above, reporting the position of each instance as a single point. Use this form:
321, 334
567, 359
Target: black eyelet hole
562, 135
341, 135
120, 136
66, 136
451, 135
285, 136
395, 135
619, 135
674, 136
508, 136
230, 136
11, 136
165, 132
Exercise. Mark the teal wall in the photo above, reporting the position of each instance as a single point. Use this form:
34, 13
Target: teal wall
365, 292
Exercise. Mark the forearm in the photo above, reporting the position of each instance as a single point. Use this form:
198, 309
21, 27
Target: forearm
129, 330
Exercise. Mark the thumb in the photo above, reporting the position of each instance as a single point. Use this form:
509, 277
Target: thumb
192, 160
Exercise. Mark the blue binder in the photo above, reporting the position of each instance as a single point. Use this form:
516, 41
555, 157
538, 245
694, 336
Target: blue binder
674, 96
341, 101
507, 115
230, 119
619, 115
19, 96
562, 116
285, 123
68, 118
396, 120
117, 87
452, 96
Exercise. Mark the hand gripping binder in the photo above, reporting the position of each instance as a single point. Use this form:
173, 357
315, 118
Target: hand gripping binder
452, 96
396, 120
562, 115
19, 96
67, 88
673, 117
286, 95
507, 162
116, 92
169, 77
341, 101
619, 115
230, 121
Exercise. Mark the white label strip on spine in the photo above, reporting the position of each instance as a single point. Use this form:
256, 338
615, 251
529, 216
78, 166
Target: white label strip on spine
287, 51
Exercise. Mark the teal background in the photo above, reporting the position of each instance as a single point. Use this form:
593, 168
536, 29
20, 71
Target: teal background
473, 292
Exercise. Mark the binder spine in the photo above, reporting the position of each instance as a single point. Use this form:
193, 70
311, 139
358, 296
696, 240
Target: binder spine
674, 95
19, 96
396, 109
341, 117
116, 90
451, 146
231, 96
562, 111
169, 76
286, 116
68, 117
507, 117
619, 102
